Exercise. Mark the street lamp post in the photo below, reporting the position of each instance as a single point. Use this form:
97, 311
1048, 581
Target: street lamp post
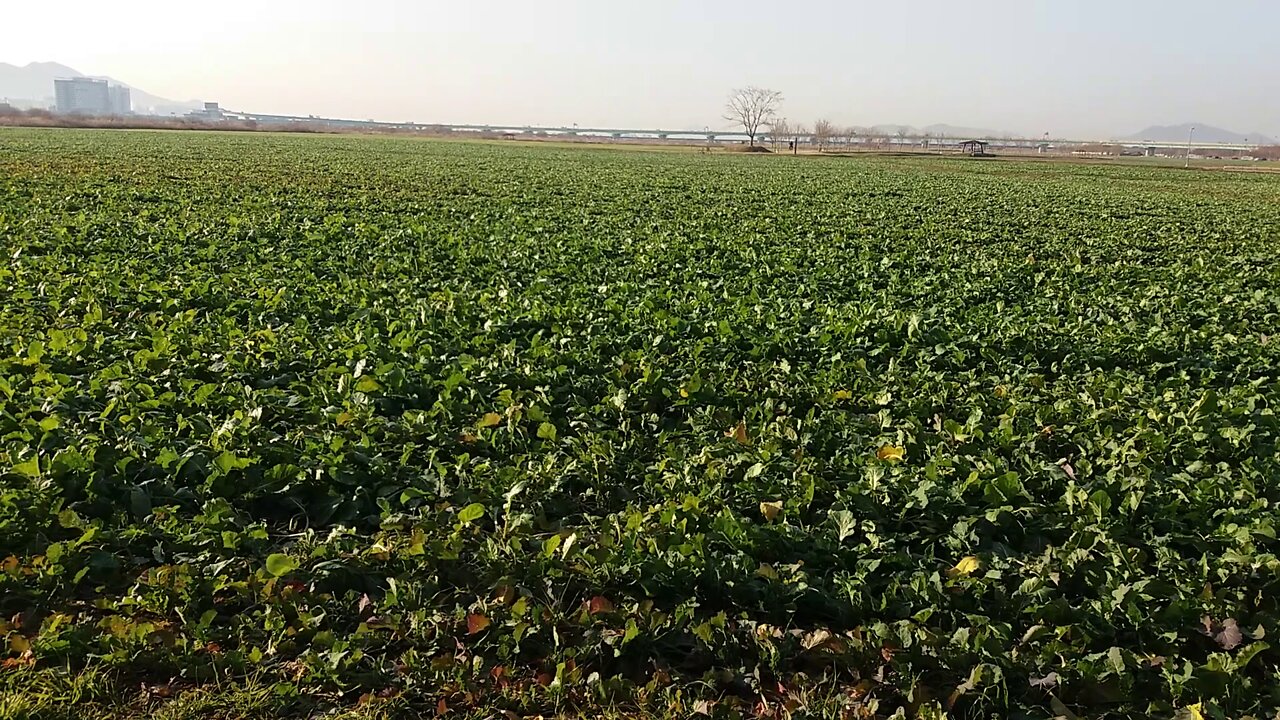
1190, 134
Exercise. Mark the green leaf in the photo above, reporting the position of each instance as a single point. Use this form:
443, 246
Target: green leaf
471, 512
567, 547
279, 564
1115, 658
228, 461
29, 467
1250, 651
547, 431
1101, 501
550, 545
845, 523
367, 384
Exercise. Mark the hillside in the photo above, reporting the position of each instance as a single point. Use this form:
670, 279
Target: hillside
1203, 133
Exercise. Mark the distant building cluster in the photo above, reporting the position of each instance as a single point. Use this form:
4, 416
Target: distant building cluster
211, 112
87, 96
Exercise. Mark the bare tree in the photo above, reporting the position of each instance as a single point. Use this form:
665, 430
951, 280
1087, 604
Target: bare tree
778, 130
752, 107
823, 132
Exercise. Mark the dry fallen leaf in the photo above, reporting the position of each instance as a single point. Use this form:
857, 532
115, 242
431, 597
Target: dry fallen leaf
600, 604
771, 510
739, 433
1048, 682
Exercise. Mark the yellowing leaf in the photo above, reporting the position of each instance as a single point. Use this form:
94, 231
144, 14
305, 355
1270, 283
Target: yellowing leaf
967, 566
19, 644
770, 510
9, 564
490, 420
890, 452
842, 395
345, 417
739, 433
1195, 712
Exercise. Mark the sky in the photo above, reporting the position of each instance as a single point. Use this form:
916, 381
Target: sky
1072, 68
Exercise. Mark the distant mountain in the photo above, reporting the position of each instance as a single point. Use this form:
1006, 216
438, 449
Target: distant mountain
33, 84
1203, 133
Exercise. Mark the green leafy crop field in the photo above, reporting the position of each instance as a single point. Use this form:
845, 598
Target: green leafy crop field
401, 427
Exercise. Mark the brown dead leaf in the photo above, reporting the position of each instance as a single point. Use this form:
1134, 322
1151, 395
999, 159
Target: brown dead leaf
600, 604
1226, 633
476, 623
814, 639
739, 433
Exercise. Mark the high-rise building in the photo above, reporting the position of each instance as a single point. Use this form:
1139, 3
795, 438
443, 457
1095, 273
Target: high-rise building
87, 96
121, 104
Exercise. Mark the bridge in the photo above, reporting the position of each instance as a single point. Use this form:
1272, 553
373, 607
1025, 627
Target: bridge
711, 135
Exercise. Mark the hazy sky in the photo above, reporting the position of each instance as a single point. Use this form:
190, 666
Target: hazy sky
1071, 67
